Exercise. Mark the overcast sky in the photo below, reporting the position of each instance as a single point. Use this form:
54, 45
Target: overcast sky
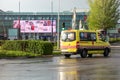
41, 5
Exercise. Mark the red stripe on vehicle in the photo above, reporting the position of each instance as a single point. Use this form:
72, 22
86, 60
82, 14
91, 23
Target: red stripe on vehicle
66, 47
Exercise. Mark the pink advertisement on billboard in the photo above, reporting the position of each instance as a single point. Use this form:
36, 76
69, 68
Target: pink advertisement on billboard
35, 26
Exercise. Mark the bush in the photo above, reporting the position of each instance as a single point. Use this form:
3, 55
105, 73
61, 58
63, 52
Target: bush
112, 40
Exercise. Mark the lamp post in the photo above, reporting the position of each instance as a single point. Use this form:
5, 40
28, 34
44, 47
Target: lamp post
52, 20
19, 36
58, 35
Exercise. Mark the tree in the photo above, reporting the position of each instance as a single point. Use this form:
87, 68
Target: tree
104, 14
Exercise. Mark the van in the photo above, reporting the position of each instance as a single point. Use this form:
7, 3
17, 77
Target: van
83, 42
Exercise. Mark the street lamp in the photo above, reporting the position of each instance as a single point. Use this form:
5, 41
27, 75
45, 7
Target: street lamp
19, 36
58, 35
52, 20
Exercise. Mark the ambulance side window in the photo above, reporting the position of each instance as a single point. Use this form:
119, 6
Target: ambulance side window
83, 36
87, 36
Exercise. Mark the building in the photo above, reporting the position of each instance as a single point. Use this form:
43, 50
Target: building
7, 20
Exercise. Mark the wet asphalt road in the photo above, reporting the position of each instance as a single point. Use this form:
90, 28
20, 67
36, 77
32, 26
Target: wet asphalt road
59, 68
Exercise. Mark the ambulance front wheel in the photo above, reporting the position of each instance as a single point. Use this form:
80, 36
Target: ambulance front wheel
67, 55
84, 53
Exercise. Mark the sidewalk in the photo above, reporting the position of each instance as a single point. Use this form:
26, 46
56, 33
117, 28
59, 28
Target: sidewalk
115, 45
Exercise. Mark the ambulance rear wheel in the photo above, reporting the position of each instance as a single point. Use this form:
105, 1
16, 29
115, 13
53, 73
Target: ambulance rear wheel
67, 55
106, 52
84, 54
90, 55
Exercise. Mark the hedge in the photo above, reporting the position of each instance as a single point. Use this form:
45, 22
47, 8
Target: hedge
32, 46
2, 42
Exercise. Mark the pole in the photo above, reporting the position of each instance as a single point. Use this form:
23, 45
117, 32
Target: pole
4, 31
19, 22
52, 20
58, 35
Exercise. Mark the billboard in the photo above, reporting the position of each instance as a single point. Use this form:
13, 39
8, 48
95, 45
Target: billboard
35, 26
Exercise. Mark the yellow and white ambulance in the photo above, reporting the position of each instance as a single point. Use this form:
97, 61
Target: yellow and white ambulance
83, 42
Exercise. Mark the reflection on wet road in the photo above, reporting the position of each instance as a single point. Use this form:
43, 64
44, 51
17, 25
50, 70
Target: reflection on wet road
59, 68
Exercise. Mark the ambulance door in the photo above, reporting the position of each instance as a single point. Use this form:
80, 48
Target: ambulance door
100, 41
87, 40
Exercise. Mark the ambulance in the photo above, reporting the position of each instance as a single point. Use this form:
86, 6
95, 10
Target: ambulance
83, 42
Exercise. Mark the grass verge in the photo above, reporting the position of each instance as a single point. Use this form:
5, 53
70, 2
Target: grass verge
19, 54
